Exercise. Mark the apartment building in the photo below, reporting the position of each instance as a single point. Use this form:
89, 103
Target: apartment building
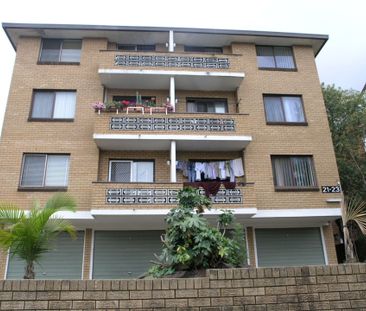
238, 114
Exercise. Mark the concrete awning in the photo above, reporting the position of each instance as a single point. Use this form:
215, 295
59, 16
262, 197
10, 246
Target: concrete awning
159, 79
162, 142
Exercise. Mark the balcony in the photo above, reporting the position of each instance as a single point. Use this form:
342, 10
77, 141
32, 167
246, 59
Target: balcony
145, 205
119, 69
191, 131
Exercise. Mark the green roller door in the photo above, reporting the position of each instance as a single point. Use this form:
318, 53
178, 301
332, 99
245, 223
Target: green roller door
64, 261
124, 254
289, 247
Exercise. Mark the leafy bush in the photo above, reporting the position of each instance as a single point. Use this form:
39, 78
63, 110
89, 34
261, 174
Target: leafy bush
190, 243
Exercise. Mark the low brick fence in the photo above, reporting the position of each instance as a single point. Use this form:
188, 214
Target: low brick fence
338, 287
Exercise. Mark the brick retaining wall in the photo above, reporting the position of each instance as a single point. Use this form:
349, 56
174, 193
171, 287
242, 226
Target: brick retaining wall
338, 287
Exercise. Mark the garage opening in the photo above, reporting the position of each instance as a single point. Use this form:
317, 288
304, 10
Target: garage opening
289, 247
124, 254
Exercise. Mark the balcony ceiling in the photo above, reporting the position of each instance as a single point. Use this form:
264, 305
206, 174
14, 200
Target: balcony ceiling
162, 142
159, 79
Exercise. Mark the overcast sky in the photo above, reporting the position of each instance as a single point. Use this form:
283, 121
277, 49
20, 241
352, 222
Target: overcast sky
342, 61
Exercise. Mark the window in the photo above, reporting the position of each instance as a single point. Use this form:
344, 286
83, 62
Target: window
45, 170
131, 171
53, 105
136, 47
209, 105
280, 57
132, 99
293, 172
60, 51
284, 109
203, 49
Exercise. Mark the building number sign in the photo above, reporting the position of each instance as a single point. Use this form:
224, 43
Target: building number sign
331, 189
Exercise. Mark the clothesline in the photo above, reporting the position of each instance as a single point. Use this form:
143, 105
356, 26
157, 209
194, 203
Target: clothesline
213, 170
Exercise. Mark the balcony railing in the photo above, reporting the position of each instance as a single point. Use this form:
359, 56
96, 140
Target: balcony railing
163, 195
174, 61
160, 123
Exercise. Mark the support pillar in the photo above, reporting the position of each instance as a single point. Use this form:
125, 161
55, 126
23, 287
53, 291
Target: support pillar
173, 158
172, 92
171, 41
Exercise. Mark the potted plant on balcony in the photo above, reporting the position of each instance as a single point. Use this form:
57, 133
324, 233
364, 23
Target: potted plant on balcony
98, 107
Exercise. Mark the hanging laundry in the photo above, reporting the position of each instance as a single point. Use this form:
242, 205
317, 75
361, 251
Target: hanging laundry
237, 167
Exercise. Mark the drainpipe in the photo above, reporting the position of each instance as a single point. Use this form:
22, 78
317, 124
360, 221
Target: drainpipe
171, 41
172, 92
173, 158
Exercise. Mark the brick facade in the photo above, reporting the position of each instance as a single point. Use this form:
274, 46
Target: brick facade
338, 287
89, 164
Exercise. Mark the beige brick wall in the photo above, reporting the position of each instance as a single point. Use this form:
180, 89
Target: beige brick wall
339, 287
329, 244
89, 165
87, 253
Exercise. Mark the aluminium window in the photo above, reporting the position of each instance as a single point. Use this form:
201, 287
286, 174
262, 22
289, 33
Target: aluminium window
60, 51
277, 57
131, 171
207, 105
203, 49
293, 172
45, 170
136, 47
53, 105
284, 109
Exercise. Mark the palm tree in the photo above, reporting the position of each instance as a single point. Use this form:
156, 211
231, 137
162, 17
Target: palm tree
29, 235
353, 211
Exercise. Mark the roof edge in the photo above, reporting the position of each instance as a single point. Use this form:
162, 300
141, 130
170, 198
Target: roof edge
277, 34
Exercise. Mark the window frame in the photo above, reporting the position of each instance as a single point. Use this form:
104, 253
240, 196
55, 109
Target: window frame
59, 62
314, 188
303, 123
131, 161
44, 187
54, 91
274, 58
192, 99
198, 47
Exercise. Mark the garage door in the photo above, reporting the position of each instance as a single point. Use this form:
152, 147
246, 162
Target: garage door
63, 262
124, 254
289, 247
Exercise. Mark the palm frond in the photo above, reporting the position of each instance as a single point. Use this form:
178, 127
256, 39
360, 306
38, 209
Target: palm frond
10, 213
61, 202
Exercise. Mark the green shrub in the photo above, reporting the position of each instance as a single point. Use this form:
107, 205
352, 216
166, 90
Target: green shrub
190, 243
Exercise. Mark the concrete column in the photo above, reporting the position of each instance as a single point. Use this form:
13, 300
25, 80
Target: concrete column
171, 41
173, 158
172, 92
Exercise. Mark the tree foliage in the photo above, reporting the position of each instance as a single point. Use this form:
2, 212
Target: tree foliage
346, 111
190, 243
30, 235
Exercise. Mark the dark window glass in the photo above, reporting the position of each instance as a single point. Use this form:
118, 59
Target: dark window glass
293, 171
136, 47
51, 50
275, 57
281, 109
54, 50
54, 105
43, 170
203, 49
209, 105
131, 171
